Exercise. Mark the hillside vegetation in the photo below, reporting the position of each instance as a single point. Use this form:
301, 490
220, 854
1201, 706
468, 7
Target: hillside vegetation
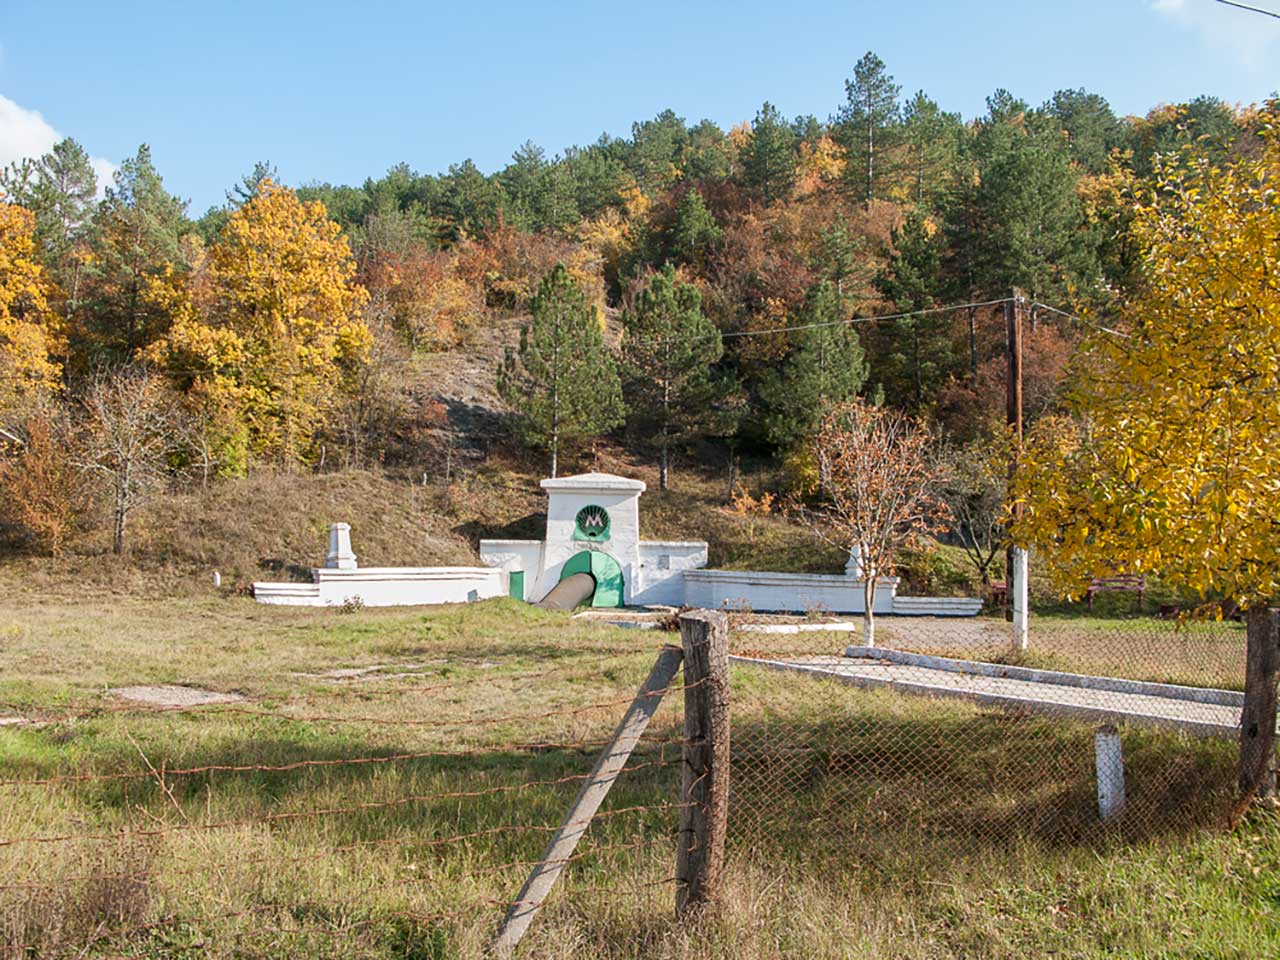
687, 296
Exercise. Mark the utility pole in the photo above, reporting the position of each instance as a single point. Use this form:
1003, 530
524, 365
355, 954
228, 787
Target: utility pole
1015, 559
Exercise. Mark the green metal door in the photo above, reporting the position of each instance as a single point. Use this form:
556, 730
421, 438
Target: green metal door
605, 570
515, 584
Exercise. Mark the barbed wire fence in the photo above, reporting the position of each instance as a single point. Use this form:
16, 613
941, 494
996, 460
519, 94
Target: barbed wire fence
404, 851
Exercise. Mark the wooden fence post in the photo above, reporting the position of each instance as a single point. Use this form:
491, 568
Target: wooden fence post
1258, 718
704, 788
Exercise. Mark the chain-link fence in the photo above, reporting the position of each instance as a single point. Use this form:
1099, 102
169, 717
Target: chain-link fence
946, 742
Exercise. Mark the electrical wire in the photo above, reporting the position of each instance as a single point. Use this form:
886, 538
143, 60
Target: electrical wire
1245, 6
1071, 316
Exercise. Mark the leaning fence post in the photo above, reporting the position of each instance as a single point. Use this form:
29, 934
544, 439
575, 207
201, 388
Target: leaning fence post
704, 787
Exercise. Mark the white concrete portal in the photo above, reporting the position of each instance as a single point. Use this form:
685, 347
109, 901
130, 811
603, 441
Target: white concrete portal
598, 514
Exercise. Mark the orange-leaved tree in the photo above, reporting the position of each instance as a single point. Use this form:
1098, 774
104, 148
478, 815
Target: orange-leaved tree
880, 490
278, 327
29, 335
1168, 462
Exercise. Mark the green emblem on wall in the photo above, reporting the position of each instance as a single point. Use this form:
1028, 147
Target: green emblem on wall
591, 523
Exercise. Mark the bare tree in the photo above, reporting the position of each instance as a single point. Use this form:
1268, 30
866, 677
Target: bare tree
132, 431
880, 490
975, 491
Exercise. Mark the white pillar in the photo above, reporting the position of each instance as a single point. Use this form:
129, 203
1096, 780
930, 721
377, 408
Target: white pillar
853, 566
340, 556
1110, 764
1021, 597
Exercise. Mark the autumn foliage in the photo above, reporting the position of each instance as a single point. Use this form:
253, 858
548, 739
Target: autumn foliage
29, 338
1167, 463
277, 328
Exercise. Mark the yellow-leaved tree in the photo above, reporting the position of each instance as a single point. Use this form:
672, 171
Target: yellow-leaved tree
268, 339
1168, 462
29, 335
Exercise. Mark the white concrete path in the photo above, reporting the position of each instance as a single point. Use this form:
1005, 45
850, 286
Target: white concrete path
1066, 695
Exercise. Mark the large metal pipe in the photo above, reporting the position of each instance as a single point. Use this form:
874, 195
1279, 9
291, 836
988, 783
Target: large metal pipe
571, 592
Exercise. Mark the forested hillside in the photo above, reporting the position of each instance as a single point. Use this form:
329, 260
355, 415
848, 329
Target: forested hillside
684, 290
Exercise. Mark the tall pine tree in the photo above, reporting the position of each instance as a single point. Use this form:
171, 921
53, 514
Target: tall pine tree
562, 380
60, 189
869, 125
768, 159
136, 233
668, 347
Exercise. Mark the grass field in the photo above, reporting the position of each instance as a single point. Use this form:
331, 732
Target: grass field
863, 825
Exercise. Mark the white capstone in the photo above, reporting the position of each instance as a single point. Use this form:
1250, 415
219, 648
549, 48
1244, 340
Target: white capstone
853, 566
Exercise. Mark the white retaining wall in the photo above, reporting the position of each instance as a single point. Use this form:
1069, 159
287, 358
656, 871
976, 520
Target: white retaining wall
663, 565
514, 555
387, 586
793, 592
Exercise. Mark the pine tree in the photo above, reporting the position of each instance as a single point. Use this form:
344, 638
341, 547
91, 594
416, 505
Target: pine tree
136, 233
827, 367
562, 380
915, 354
695, 231
668, 347
869, 124
60, 189
931, 137
841, 258
768, 160
1031, 228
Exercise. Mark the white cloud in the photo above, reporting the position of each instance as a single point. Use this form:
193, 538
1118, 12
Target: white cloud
25, 134
1250, 37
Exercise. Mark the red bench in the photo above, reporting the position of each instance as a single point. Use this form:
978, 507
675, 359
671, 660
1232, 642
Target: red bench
1133, 583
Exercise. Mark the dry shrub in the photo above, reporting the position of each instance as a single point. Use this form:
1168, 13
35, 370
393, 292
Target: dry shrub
111, 892
424, 296
42, 491
511, 263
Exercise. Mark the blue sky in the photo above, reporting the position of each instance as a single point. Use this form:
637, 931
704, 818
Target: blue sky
340, 91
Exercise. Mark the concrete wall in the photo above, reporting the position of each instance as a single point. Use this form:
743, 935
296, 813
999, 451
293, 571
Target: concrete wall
793, 592
663, 564
514, 555
387, 586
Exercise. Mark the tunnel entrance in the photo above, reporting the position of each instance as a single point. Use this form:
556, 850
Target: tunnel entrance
606, 572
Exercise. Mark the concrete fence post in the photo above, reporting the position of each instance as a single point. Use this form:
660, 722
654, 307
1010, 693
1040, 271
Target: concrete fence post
1020, 595
1109, 759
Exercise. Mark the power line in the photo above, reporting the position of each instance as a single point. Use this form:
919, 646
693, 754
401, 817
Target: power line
1072, 316
1245, 6
851, 321
733, 334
